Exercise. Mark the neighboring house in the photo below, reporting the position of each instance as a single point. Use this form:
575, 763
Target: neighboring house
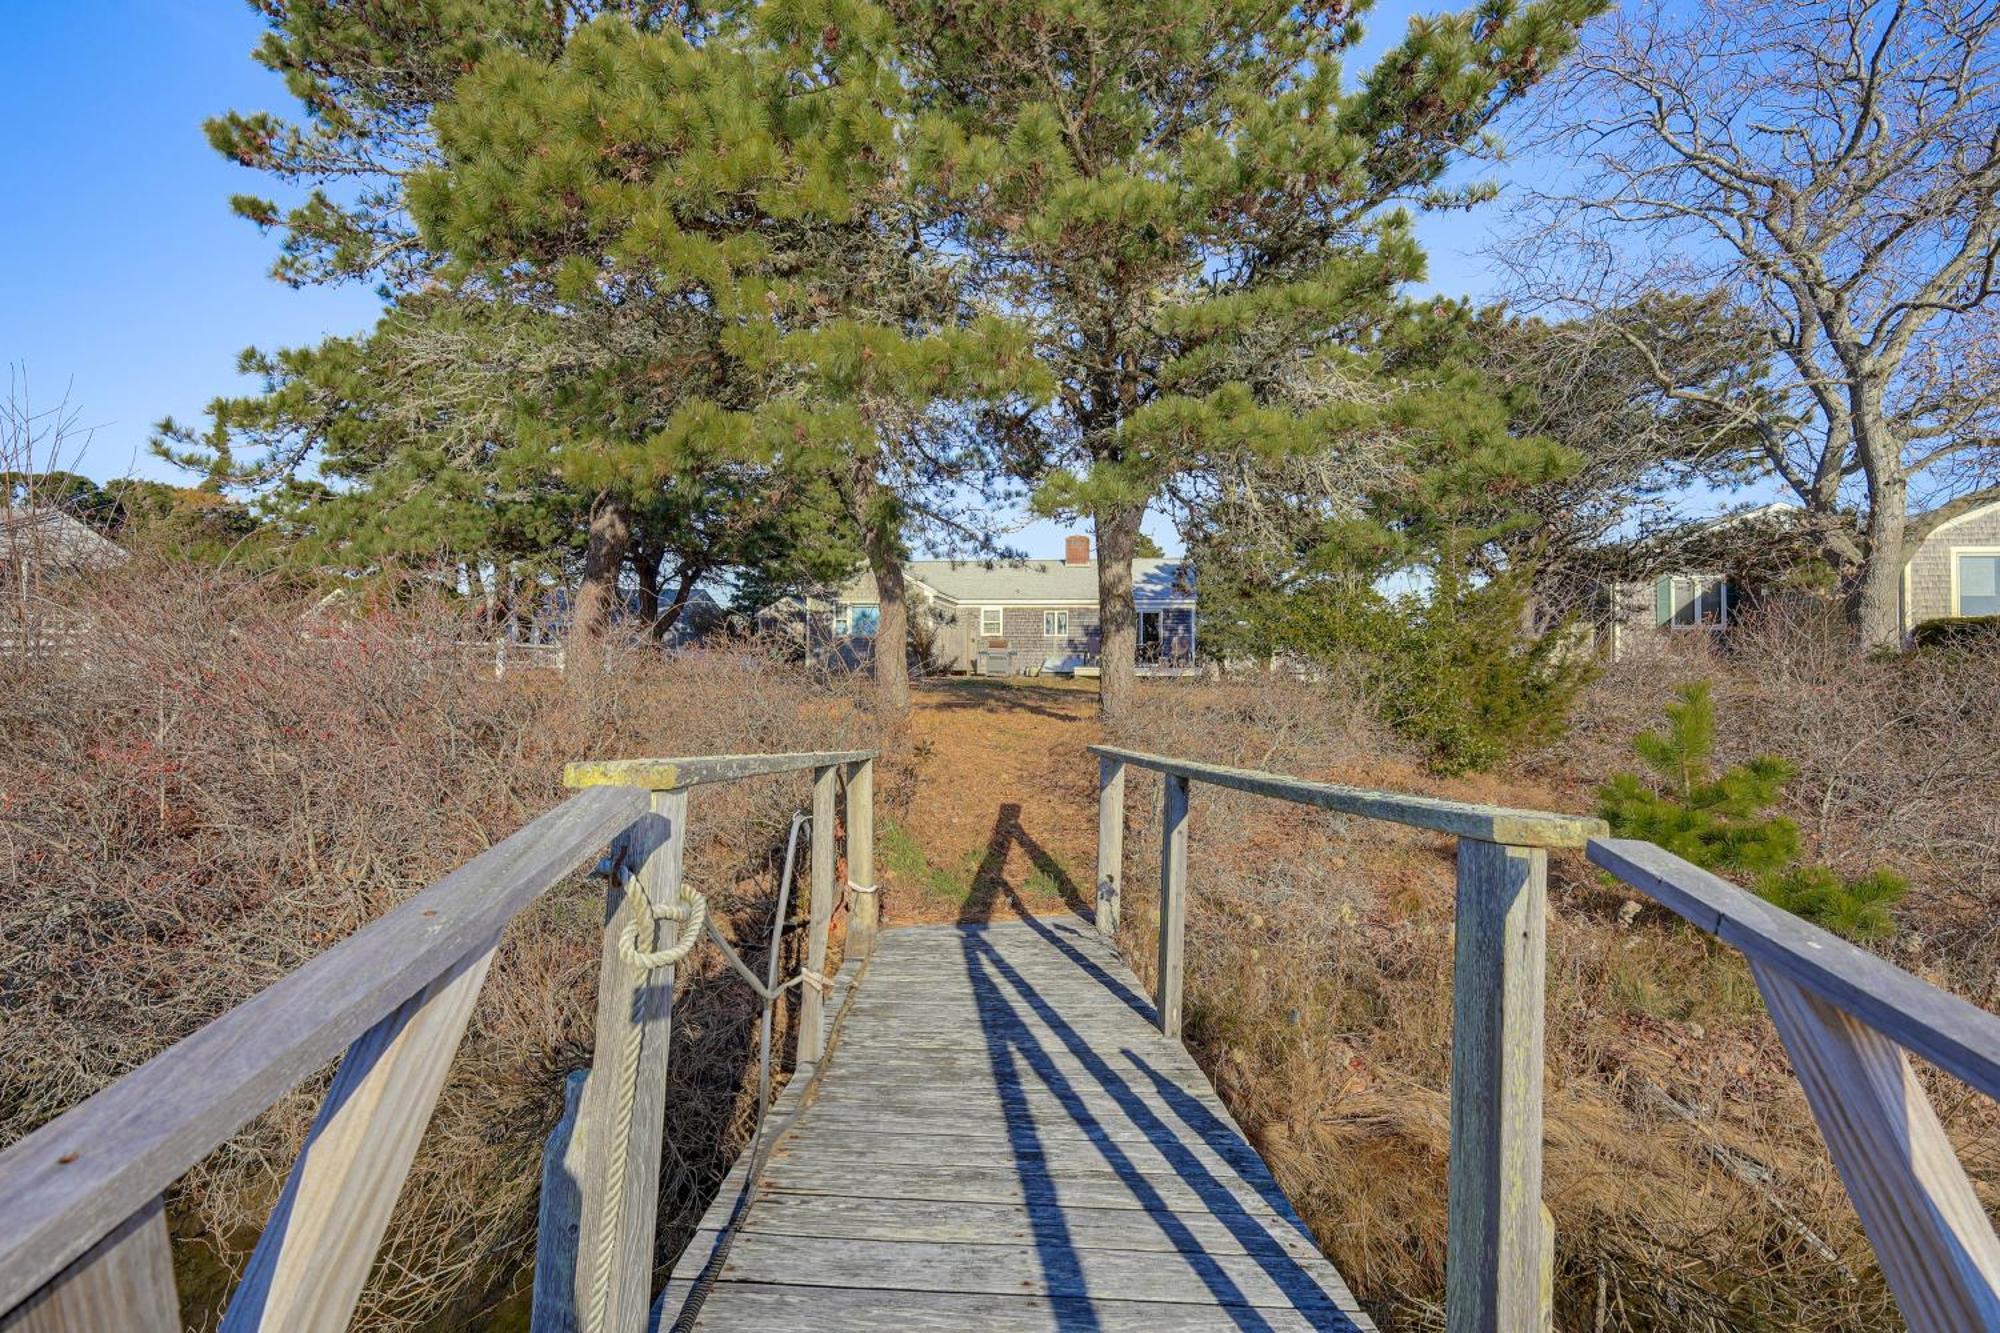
1685, 589
36, 542
1955, 570
1024, 617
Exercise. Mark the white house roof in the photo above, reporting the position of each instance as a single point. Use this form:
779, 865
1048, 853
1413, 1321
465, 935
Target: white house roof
53, 537
1155, 582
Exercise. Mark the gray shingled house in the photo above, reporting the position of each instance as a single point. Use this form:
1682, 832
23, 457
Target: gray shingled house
1026, 617
1954, 571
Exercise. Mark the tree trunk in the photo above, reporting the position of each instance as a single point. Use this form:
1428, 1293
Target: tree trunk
892, 628
646, 565
1117, 621
669, 616
603, 554
1878, 600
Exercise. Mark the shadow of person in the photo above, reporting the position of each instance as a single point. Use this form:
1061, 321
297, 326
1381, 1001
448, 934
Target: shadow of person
989, 881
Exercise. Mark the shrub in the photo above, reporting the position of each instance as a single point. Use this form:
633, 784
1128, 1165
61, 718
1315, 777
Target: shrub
1459, 677
1957, 632
1719, 821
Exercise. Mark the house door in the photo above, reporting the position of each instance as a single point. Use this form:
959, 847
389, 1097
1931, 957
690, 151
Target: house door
1149, 636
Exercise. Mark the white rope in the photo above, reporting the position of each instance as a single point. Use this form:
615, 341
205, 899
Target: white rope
690, 910
852, 887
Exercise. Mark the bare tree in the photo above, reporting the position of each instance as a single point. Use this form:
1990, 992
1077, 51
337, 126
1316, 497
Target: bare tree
1820, 179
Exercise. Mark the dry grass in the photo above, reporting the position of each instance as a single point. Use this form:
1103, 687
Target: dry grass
1689, 1187
196, 797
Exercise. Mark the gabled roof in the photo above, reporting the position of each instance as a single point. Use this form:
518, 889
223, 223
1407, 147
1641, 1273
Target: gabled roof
1155, 582
54, 537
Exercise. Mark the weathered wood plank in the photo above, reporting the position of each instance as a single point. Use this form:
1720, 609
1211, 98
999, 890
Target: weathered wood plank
865, 914
313, 1256
866, 1218
664, 774
559, 1217
1930, 1234
1489, 823
1173, 904
1110, 842
981, 1126
125, 1281
812, 1005
1956, 1036
1258, 1281
1141, 1156
624, 1102
1499, 1247
778, 1308
73, 1180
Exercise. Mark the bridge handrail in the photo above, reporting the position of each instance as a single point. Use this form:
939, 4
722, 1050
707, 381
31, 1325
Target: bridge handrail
82, 1233
1490, 823
1845, 1017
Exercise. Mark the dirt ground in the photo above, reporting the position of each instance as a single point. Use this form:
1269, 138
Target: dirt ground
1003, 818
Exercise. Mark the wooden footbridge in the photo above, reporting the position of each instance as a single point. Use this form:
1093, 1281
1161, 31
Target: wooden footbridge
986, 1126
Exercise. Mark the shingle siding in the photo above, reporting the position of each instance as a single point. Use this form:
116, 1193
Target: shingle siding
1022, 637
1928, 582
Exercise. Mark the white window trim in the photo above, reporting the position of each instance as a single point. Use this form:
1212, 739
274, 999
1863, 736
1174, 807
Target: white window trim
1055, 624
999, 614
1696, 586
1951, 560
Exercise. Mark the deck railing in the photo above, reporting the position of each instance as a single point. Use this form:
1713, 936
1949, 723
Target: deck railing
83, 1236
1845, 1016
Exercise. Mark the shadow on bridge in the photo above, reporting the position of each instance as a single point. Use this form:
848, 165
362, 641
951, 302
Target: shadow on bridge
1024, 1036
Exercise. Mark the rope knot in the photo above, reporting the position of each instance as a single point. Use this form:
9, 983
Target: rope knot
689, 909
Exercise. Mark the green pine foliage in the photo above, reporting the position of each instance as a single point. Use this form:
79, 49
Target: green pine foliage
1457, 677
1186, 202
1720, 821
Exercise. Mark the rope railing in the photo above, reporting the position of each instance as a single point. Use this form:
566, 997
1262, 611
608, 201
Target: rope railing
82, 1229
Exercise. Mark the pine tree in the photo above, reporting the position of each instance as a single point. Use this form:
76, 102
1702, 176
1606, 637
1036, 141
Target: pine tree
1720, 821
1184, 201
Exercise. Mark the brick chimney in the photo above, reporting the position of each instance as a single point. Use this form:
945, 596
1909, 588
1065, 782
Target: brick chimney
1076, 551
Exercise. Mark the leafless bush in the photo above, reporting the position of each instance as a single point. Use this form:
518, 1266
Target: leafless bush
210, 789
1689, 1187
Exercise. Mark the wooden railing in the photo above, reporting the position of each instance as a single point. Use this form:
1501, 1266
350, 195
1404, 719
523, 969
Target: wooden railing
1846, 1018
83, 1237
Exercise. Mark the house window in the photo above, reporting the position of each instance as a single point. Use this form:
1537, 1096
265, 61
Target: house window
1055, 624
858, 621
1685, 601
1150, 627
1976, 581
989, 622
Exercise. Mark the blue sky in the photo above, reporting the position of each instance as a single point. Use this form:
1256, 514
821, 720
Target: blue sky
126, 282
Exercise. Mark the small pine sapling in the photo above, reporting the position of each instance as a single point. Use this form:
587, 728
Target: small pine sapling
1718, 821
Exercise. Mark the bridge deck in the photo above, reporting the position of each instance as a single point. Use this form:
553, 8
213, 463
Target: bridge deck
1002, 1140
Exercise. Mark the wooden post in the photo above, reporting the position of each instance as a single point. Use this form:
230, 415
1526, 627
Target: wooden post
559, 1217
1930, 1234
1499, 1246
624, 1100
1173, 899
313, 1257
125, 1281
1110, 842
865, 910
812, 1009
